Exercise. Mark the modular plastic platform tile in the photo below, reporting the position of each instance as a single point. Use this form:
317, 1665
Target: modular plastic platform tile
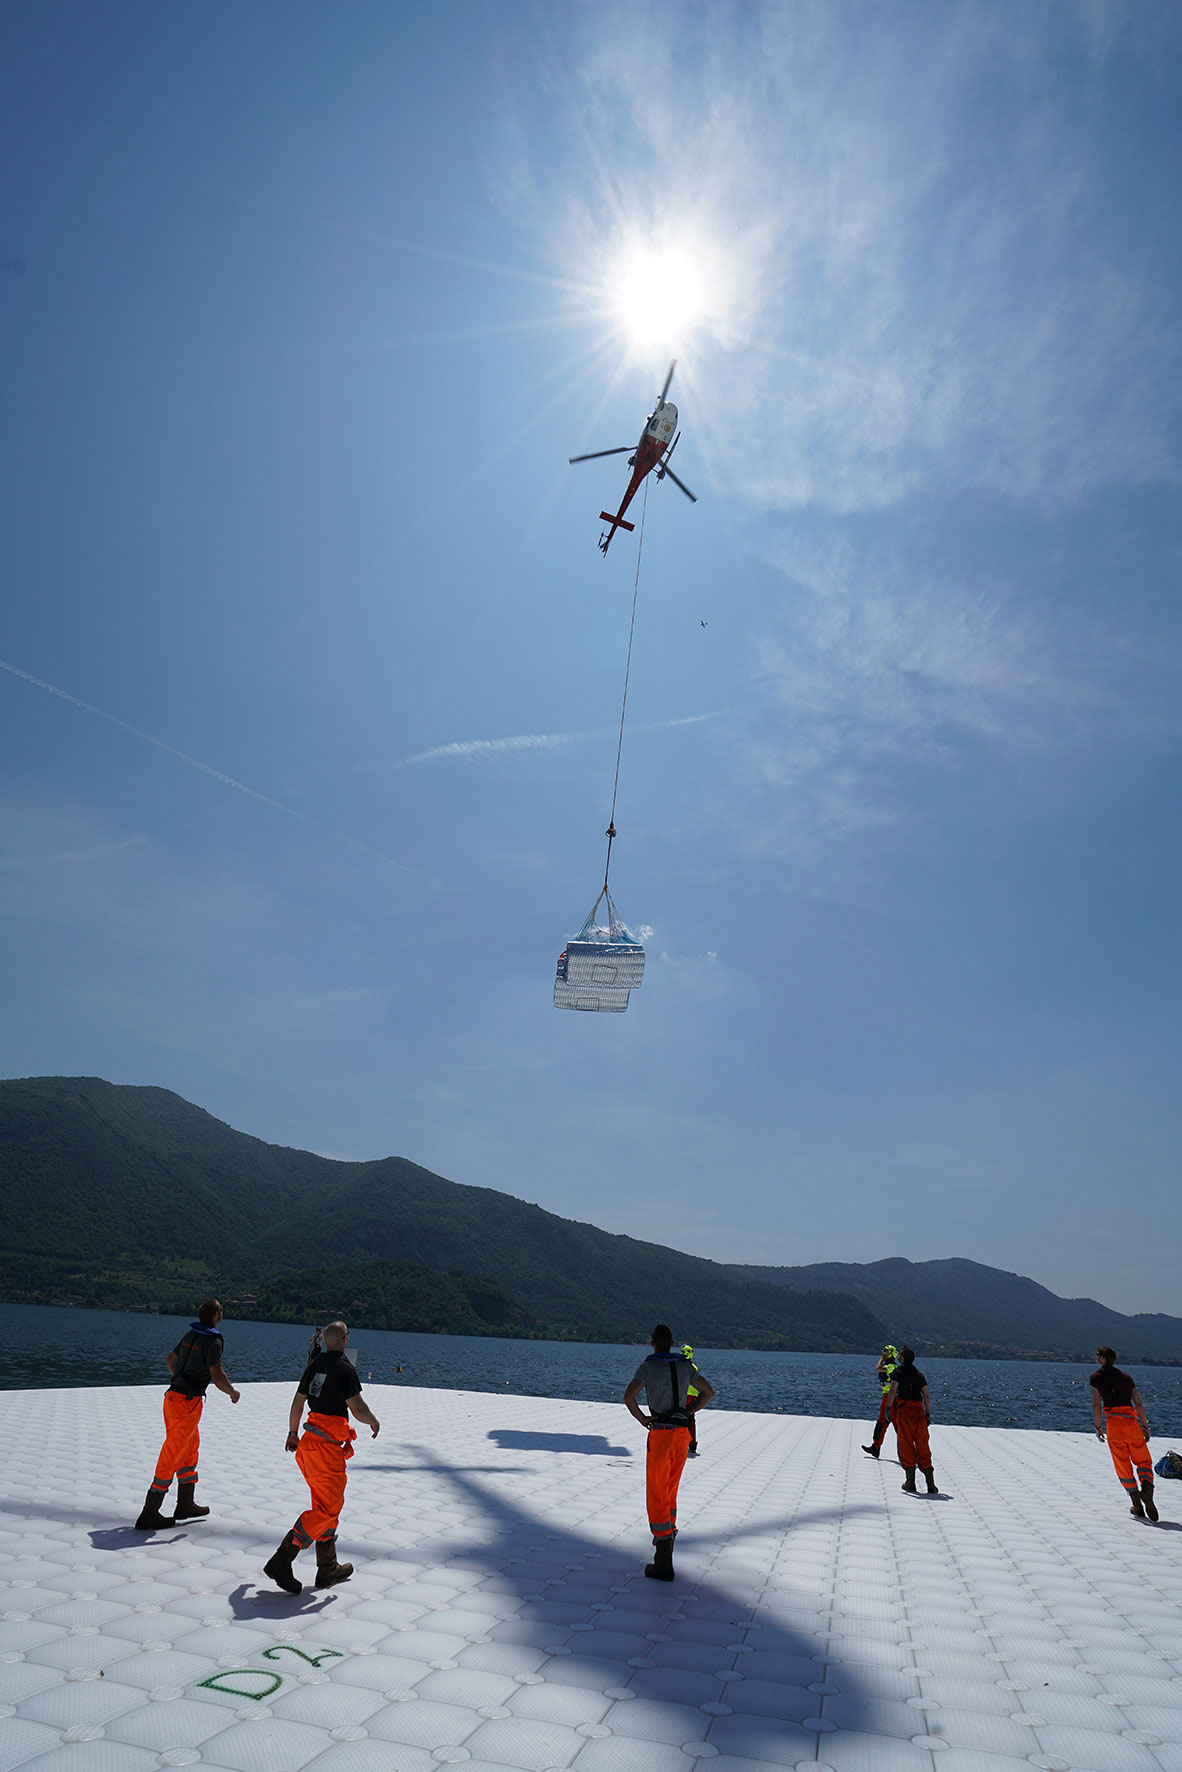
499, 1618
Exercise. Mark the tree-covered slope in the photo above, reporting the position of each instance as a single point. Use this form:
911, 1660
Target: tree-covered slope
121, 1195
392, 1295
962, 1307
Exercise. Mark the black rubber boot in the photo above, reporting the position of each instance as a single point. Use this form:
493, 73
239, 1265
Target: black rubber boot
1148, 1501
328, 1570
186, 1507
661, 1567
151, 1519
279, 1567
929, 1477
873, 1450
1137, 1511
909, 1486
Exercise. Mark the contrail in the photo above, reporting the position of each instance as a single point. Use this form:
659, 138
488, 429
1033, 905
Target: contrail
487, 747
539, 741
195, 763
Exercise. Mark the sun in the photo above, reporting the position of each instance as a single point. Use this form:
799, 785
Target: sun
659, 293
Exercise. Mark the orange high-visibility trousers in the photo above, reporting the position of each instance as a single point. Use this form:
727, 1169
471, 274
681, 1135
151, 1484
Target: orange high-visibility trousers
1127, 1445
326, 1444
911, 1432
668, 1448
886, 1416
182, 1437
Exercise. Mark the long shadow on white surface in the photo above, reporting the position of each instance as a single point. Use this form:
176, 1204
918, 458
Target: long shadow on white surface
699, 1658
125, 1538
514, 1439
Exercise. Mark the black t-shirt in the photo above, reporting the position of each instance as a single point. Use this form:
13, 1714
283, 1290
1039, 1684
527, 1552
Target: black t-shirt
196, 1351
910, 1381
329, 1382
1115, 1387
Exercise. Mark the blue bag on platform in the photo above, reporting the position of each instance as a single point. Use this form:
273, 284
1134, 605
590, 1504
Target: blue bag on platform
1170, 1465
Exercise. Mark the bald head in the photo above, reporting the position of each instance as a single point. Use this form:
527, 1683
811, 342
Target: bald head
336, 1334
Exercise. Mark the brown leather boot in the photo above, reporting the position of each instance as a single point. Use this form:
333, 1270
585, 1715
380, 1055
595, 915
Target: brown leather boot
1148, 1501
929, 1477
1137, 1511
186, 1507
328, 1570
909, 1486
279, 1567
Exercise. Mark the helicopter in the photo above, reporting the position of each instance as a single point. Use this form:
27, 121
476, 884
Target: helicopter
652, 451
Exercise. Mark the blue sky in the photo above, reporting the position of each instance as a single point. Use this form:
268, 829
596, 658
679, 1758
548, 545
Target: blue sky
303, 310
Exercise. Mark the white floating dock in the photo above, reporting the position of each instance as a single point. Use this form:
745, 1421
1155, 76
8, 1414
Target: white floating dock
499, 1616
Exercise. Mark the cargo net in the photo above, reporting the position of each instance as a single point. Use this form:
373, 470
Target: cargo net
600, 965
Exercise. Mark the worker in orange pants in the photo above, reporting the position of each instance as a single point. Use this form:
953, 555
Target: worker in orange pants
665, 1377
884, 1372
667, 1452
911, 1427
330, 1383
194, 1363
322, 1454
182, 1441
910, 1406
1128, 1431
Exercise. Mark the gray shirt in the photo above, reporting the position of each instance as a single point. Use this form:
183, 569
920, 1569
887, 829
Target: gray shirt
196, 1351
666, 1379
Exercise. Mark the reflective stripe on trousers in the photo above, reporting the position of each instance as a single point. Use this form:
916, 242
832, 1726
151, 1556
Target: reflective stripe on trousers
182, 1438
1130, 1454
664, 1463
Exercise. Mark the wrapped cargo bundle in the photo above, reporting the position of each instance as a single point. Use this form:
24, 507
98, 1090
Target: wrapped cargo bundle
600, 965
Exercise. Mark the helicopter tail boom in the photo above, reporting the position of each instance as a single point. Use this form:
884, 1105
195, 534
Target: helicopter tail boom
606, 517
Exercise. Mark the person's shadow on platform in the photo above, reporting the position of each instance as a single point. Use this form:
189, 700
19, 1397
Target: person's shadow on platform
249, 1602
668, 1646
124, 1538
511, 1439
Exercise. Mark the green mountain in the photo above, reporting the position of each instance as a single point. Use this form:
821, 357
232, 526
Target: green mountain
135, 1199
963, 1309
390, 1295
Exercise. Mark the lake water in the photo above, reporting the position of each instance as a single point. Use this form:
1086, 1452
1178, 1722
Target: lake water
50, 1348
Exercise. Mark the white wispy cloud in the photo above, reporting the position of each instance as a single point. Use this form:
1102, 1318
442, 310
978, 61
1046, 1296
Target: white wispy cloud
911, 214
540, 741
896, 656
872, 665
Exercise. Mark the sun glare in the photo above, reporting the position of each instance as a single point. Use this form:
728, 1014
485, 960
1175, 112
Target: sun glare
659, 295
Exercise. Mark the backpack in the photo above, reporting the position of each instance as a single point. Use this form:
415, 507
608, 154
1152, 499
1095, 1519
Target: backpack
1170, 1465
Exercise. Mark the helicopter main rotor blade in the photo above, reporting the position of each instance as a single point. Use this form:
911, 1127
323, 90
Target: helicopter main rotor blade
595, 454
668, 379
681, 486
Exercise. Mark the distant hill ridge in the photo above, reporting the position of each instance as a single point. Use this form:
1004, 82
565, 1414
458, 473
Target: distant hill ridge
962, 1307
133, 1198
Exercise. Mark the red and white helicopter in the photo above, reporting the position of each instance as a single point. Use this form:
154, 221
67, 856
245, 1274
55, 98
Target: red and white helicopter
653, 451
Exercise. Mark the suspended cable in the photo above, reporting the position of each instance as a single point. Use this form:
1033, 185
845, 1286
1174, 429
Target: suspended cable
611, 823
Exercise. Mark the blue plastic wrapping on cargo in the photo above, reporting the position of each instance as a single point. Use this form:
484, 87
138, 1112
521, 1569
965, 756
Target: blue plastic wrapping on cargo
599, 966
